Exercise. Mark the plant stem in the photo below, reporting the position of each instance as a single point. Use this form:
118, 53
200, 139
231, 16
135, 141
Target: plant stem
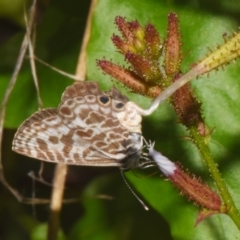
56, 200
60, 173
232, 211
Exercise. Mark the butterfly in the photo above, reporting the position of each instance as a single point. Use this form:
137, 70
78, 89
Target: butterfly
90, 127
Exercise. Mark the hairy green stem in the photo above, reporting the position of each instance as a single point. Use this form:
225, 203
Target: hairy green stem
232, 211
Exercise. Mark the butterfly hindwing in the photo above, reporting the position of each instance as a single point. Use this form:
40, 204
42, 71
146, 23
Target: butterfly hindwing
43, 136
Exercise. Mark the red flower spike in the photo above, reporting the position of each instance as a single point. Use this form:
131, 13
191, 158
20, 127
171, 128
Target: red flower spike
141, 47
188, 109
137, 30
133, 35
172, 60
198, 192
123, 27
189, 185
153, 91
129, 79
186, 106
146, 69
139, 41
153, 41
122, 45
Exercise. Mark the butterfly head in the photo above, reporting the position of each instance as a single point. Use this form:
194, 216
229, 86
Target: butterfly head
130, 118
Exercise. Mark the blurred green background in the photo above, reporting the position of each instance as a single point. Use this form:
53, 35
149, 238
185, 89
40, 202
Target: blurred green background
60, 26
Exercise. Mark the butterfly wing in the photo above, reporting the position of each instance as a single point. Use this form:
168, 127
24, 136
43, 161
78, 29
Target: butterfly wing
83, 131
45, 137
94, 116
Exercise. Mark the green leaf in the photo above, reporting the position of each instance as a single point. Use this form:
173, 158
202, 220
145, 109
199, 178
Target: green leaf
219, 94
40, 233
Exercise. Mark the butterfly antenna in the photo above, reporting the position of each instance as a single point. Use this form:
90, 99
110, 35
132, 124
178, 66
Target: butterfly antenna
134, 194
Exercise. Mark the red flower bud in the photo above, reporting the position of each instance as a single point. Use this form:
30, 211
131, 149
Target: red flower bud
122, 45
146, 69
186, 106
173, 58
123, 27
153, 41
129, 79
189, 185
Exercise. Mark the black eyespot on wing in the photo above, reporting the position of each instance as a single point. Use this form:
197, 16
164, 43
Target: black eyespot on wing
119, 105
104, 99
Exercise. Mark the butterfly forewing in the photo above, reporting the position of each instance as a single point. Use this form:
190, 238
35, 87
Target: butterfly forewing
84, 130
95, 118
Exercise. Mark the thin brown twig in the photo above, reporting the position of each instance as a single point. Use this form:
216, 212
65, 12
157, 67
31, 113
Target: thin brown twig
61, 170
31, 55
56, 200
81, 68
8, 92
71, 76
